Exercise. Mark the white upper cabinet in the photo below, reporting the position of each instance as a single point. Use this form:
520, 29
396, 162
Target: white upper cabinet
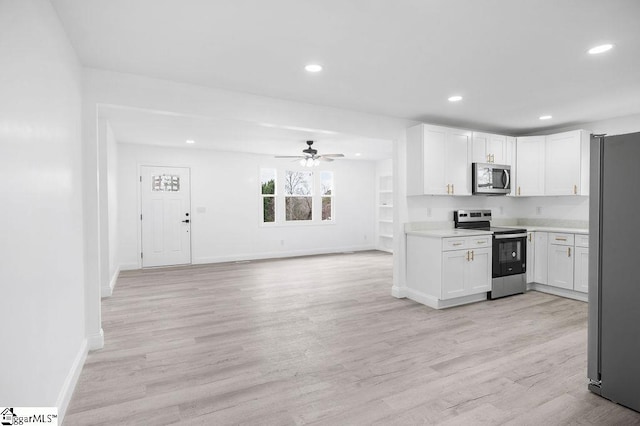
530, 162
488, 148
567, 163
438, 161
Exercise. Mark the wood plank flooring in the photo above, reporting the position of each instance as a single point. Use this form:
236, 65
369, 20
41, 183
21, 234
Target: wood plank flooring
320, 340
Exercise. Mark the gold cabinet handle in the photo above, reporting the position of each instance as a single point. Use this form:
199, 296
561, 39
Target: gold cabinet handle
472, 255
568, 251
448, 185
529, 237
453, 191
481, 242
467, 255
457, 244
488, 158
493, 158
575, 189
518, 190
560, 239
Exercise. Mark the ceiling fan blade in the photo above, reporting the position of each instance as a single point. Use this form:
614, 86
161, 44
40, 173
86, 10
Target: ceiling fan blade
323, 158
289, 156
333, 155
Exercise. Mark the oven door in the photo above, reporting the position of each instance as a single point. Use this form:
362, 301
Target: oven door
509, 254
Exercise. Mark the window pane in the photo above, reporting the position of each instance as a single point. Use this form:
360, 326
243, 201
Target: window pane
298, 183
268, 209
326, 183
165, 183
268, 181
327, 211
298, 208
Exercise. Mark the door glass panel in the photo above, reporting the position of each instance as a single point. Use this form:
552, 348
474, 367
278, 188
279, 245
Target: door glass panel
510, 251
165, 183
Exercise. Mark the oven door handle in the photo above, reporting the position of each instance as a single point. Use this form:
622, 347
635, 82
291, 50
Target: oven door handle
506, 178
505, 236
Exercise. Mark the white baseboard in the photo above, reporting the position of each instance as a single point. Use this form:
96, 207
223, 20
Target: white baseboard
69, 385
435, 303
557, 291
398, 292
108, 291
95, 341
128, 267
277, 255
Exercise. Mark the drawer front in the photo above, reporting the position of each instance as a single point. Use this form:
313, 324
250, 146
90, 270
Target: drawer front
479, 242
582, 240
454, 243
560, 239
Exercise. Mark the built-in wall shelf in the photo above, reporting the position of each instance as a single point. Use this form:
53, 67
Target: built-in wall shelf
385, 213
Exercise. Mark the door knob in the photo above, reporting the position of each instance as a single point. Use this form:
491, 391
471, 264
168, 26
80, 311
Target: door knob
185, 221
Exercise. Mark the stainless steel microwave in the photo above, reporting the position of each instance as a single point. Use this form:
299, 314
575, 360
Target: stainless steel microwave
491, 179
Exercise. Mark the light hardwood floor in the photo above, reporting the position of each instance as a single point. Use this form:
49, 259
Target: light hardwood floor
321, 340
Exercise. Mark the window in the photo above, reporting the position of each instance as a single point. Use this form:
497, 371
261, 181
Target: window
298, 199
268, 191
326, 191
170, 183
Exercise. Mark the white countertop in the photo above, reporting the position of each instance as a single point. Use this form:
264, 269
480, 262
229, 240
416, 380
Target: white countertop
550, 229
451, 232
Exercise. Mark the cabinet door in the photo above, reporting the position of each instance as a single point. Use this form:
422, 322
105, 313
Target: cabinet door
454, 266
581, 269
530, 165
562, 163
496, 149
530, 256
479, 148
434, 154
540, 256
561, 266
457, 168
479, 271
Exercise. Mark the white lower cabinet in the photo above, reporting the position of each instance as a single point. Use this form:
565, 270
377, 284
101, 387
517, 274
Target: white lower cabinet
540, 256
530, 256
443, 272
561, 251
581, 264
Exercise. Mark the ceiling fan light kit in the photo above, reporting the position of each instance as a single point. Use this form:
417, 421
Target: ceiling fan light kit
311, 157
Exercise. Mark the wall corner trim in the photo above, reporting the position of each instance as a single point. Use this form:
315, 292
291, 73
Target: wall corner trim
108, 291
398, 292
96, 341
70, 382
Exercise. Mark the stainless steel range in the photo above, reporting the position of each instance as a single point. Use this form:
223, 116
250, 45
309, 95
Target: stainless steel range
509, 252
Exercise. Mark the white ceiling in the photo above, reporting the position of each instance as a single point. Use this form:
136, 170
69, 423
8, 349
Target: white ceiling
512, 60
170, 129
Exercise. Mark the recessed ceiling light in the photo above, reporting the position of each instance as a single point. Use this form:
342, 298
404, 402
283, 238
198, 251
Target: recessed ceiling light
358, 154
190, 141
600, 49
313, 68
545, 117
455, 98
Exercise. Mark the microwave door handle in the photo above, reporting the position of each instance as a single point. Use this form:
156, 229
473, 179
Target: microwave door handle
506, 178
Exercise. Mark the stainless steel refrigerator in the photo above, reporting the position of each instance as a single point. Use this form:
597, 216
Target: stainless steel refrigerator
614, 269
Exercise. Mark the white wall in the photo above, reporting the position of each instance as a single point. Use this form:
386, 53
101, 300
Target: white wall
226, 185
112, 202
41, 233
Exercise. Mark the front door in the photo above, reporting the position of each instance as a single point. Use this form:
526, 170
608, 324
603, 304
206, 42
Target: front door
165, 216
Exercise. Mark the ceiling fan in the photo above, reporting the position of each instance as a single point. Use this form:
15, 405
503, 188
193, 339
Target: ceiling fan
311, 157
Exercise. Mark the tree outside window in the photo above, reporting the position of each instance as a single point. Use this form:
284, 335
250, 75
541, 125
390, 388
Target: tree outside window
298, 195
326, 191
268, 183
